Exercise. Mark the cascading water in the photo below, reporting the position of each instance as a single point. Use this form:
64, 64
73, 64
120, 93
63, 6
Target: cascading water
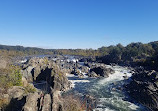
107, 91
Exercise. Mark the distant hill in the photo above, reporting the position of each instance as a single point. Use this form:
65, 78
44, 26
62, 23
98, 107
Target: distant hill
26, 50
21, 48
133, 51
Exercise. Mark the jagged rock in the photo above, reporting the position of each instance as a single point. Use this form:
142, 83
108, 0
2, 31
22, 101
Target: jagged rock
16, 92
31, 102
24, 81
92, 74
84, 69
47, 103
57, 102
102, 71
27, 73
16, 98
143, 88
60, 82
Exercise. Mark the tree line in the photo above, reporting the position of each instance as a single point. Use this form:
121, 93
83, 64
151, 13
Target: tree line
144, 54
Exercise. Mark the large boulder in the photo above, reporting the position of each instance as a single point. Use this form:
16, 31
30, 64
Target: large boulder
60, 82
92, 74
27, 73
16, 98
84, 69
102, 71
16, 92
31, 102
144, 88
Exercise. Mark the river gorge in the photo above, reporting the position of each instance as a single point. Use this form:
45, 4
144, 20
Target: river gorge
97, 86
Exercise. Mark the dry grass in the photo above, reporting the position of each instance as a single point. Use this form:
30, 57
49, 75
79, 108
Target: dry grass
71, 103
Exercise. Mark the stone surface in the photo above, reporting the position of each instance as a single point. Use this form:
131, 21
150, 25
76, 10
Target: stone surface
31, 102
47, 103
16, 92
143, 88
102, 71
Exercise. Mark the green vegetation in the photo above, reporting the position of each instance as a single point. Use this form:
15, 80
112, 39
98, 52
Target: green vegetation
29, 89
10, 76
23, 51
143, 54
137, 53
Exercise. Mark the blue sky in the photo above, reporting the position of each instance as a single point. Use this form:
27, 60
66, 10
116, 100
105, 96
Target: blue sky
77, 23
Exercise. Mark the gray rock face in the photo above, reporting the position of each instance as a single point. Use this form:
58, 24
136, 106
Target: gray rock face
144, 88
47, 103
60, 82
16, 92
92, 74
57, 102
102, 71
16, 98
42, 69
31, 102
84, 69
27, 73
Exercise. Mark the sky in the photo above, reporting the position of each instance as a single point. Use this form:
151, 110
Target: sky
64, 24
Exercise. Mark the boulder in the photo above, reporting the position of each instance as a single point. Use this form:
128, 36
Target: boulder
92, 74
60, 82
27, 73
84, 69
143, 88
16, 92
102, 71
16, 97
31, 102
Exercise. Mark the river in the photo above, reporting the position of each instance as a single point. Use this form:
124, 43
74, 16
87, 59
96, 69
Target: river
107, 91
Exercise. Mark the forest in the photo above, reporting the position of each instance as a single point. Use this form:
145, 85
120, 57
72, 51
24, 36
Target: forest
133, 53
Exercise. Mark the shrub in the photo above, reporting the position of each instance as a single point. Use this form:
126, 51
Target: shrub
16, 76
10, 76
29, 89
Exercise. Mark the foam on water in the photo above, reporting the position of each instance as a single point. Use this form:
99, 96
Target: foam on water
108, 100
76, 80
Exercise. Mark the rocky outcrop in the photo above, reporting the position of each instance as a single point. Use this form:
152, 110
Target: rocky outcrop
84, 69
43, 73
31, 102
47, 103
47, 77
102, 71
92, 74
144, 88
27, 73
15, 98
59, 82
42, 69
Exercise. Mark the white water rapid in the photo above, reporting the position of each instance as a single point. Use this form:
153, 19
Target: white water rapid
107, 91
